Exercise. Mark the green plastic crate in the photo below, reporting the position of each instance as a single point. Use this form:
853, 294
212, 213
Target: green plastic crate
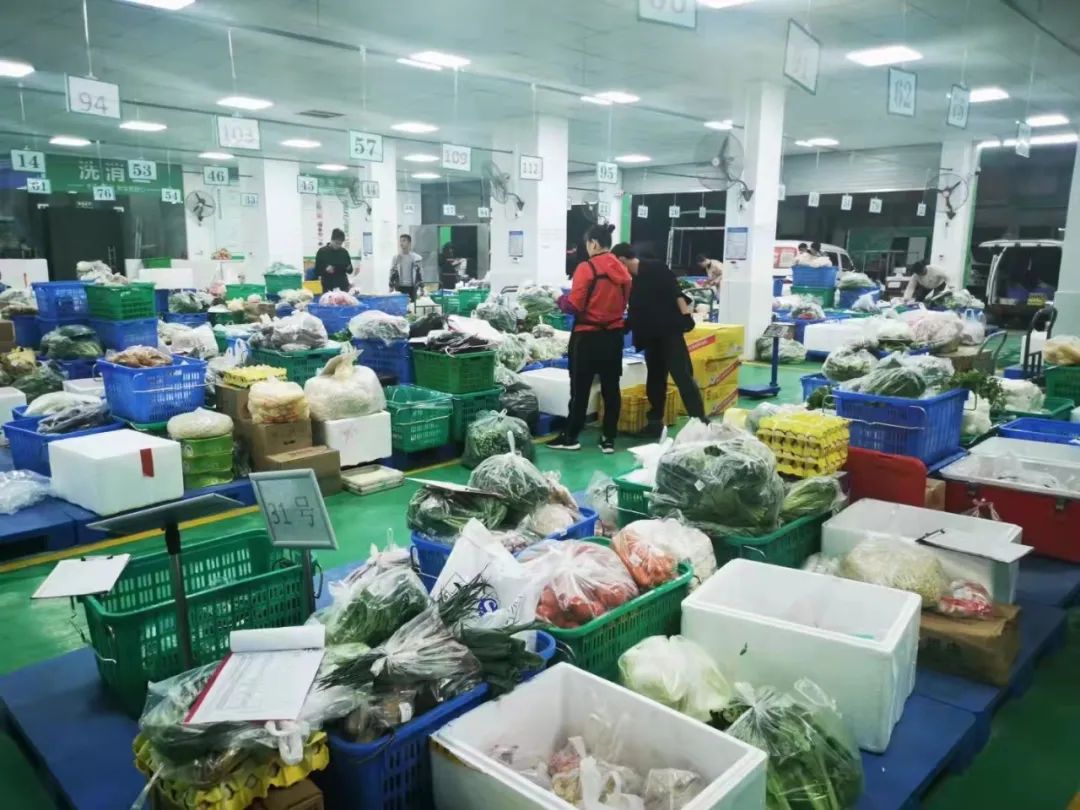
199, 465
299, 366
469, 300
238, 580
201, 448
419, 417
226, 318
789, 545
121, 303
275, 282
1053, 408
203, 480
464, 373
596, 646
1063, 382
243, 291
826, 296
467, 407
633, 500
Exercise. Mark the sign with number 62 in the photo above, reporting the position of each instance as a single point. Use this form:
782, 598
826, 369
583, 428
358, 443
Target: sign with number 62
903, 87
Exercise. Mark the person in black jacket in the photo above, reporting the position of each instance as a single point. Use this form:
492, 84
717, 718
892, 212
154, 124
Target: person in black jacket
659, 316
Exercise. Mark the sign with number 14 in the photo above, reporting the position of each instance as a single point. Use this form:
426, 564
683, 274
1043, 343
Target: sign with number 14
25, 161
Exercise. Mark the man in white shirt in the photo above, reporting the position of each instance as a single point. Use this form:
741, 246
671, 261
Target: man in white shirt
406, 273
925, 279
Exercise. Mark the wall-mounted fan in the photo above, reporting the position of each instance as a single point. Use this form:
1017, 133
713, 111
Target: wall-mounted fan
497, 183
352, 195
951, 190
719, 163
590, 210
201, 205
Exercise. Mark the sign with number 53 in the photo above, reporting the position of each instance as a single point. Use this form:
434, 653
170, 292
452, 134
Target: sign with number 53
91, 97
142, 171
903, 86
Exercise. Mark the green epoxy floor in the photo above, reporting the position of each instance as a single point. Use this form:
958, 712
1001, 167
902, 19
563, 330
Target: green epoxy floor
1030, 763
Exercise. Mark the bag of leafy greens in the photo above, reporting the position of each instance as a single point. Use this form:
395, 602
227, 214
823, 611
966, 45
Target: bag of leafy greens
514, 479
847, 363
72, 343
812, 496
489, 435
442, 513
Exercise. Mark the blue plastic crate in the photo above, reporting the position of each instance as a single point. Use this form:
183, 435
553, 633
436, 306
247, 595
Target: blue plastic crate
27, 331
76, 369
430, 555
561, 362
803, 276
394, 304
46, 325
1053, 431
334, 318
811, 383
30, 449
801, 324
151, 395
394, 359
61, 299
927, 429
778, 285
846, 298
192, 319
120, 335
161, 297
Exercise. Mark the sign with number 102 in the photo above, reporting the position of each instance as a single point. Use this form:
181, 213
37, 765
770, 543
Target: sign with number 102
903, 86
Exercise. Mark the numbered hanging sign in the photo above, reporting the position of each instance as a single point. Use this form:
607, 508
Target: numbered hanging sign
1023, 140
875, 205
681, 13
702, 212
215, 175
643, 212
458, 158
959, 101
307, 185
920, 210
802, 57
238, 133
607, 173
781, 193
365, 146
483, 212
38, 185
25, 161
903, 88
142, 171
249, 199
530, 167
449, 210
172, 196
603, 208
91, 97
369, 189
814, 200
846, 202
104, 194
408, 209
673, 211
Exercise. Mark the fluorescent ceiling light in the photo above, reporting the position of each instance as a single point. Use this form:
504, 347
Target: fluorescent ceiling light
425, 176
723, 126
981, 95
633, 158
301, 143
885, 55
600, 102
245, 103
215, 156
331, 167
168, 5
1048, 120
68, 140
415, 128
143, 126
15, 70
1051, 140
415, 64
420, 157
723, 3
993, 143
440, 59
811, 143
617, 97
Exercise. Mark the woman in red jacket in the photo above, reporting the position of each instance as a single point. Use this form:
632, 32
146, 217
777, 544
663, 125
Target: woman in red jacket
597, 299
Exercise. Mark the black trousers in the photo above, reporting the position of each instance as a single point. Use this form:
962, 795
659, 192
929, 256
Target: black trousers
592, 355
669, 355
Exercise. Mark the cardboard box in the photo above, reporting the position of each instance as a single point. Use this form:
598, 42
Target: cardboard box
233, 401
273, 439
7, 346
7, 332
718, 398
980, 649
325, 463
716, 340
935, 494
301, 796
712, 372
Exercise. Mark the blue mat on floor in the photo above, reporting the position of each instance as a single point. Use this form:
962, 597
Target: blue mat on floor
1048, 582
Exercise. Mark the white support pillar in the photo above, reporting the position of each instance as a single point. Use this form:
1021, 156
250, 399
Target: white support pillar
952, 235
280, 205
1067, 297
746, 292
542, 219
375, 272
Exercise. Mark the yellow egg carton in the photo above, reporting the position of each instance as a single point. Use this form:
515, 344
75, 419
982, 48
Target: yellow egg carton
806, 443
247, 376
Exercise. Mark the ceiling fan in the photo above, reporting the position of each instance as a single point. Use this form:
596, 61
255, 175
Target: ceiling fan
352, 194
719, 160
201, 205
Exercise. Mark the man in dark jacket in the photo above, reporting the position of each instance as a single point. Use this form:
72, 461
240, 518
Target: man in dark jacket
659, 317
333, 265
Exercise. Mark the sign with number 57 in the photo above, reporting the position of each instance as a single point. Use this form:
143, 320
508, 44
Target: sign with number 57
365, 146
903, 86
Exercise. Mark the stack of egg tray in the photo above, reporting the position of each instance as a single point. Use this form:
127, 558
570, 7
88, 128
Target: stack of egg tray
247, 376
807, 443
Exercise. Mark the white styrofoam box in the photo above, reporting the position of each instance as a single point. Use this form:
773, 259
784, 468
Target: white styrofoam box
1027, 450
10, 398
766, 624
358, 440
117, 471
1038, 342
552, 389
169, 278
93, 386
824, 337
540, 714
21, 273
969, 548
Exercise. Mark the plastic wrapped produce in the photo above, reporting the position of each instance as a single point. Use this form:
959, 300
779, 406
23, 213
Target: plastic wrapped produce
537, 301
502, 318
550, 518
941, 331
18, 362
275, 400
813, 759
899, 381
198, 342
297, 332
670, 538
807, 310
343, 389
521, 402
854, 281
370, 608
889, 332
14, 301
789, 351
20, 489
426, 324
723, 487
189, 301
199, 424
647, 555
1062, 350
80, 416
812, 496
513, 352
444, 513
41, 380
377, 325
976, 419
847, 363
677, 673
488, 436
513, 478
581, 581
935, 371
337, 298
71, 343
296, 298
59, 401
545, 349
865, 303
141, 357
1022, 395
903, 566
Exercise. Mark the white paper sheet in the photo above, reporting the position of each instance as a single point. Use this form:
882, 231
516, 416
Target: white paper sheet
305, 637
258, 686
83, 577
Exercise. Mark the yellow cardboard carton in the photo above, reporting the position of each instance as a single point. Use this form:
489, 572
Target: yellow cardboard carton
715, 340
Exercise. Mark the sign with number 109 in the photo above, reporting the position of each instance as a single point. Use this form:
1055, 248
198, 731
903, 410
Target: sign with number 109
458, 158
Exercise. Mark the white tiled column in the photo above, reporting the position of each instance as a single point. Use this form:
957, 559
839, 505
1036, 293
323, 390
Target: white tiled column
746, 293
1067, 298
282, 240
375, 271
949, 247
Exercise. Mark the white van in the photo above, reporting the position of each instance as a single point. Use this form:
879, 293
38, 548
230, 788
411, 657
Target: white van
1023, 275
785, 251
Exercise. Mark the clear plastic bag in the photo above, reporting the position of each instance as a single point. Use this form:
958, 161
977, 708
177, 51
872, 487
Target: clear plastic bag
337, 298
671, 788
664, 540
488, 435
71, 343
297, 332
550, 519
941, 331
377, 325
198, 342
1022, 395
789, 351
440, 513
513, 478
899, 381
847, 363
865, 303
521, 403
853, 281
275, 400
141, 357
199, 424
581, 581
188, 301
812, 496
369, 609
1062, 350
43, 379
343, 389
677, 673
80, 416
20, 489
976, 418
602, 495
902, 566
58, 401
502, 318
512, 352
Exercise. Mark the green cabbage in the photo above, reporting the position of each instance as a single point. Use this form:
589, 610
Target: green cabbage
811, 496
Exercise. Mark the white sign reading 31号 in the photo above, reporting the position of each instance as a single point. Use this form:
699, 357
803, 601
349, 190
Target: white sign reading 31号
91, 97
365, 146
458, 158
238, 133
530, 167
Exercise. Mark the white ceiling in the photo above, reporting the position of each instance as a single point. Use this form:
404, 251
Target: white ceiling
528, 56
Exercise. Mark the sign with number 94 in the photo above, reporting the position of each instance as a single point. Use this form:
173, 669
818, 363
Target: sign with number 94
903, 86
365, 146
90, 97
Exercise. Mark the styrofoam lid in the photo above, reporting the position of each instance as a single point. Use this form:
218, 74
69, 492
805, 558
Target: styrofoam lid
556, 374
977, 546
113, 443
